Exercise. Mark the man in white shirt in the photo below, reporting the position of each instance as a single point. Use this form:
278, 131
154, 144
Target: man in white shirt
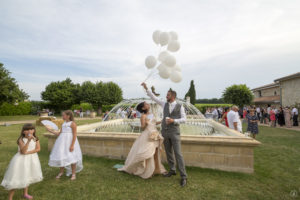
173, 116
233, 118
295, 116
215, 114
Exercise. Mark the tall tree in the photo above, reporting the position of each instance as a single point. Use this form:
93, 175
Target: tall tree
191, 93
61, 94
9, 89
238, 95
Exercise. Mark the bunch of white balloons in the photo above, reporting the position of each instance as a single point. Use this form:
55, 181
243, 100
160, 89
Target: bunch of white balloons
167, 68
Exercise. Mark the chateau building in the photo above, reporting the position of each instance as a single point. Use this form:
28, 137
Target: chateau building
284, 91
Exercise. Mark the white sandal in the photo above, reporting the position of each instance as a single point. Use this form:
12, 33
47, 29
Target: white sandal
59, 175
73, 177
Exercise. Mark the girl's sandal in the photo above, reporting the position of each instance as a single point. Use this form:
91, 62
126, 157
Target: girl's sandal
73, 177
59, 175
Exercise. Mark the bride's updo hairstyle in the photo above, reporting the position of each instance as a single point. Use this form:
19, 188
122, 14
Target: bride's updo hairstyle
140, 108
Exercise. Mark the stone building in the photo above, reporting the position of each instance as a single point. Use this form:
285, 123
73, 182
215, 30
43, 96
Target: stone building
284, 91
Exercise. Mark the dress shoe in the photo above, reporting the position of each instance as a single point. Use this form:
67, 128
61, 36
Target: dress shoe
169, 174
183, 182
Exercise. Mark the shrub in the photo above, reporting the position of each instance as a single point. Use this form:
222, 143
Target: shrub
23, 108
84, 106
107, 107
203, 107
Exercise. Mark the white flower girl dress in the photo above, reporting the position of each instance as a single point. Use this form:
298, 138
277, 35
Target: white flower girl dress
23, 170
61, 156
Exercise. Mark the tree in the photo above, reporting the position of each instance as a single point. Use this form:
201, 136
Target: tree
62, 94
9, 89
191, 93
238, 95
87, 92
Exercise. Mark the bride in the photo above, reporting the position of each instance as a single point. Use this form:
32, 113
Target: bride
144, 157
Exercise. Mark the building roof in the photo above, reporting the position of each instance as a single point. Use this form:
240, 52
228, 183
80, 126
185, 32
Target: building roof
272, 85
296, 75
270, 99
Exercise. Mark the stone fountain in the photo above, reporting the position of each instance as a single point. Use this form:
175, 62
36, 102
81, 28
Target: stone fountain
205, 143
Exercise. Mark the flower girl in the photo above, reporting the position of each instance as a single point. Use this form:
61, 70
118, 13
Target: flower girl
66, 152
24, 168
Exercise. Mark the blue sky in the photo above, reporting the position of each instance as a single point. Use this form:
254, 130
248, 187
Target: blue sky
222, 42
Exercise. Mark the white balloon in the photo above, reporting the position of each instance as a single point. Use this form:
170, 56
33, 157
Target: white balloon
177, 68
174, 46
162, 56
164, 38
150, 62
155, 36
161, 67
174, 35
170, 61
165, 72
176, 76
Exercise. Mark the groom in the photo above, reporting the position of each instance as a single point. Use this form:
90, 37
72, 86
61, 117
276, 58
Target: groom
173, 116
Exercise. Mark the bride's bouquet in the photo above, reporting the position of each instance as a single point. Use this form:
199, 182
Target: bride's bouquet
154, 135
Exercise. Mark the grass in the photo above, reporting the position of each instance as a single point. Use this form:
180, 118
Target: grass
277, 173
18, 118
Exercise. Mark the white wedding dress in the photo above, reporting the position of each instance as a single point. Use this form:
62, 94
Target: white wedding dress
144, 158
61, 156
23, 170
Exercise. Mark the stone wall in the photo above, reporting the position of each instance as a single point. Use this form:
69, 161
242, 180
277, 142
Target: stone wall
290, 92
267, 92
223, 153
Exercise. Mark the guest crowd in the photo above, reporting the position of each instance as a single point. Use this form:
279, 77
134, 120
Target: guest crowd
270, 114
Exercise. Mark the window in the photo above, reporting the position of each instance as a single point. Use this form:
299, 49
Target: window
275, 93
259, 93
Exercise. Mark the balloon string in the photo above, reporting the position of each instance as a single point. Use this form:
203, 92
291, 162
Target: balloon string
151, 73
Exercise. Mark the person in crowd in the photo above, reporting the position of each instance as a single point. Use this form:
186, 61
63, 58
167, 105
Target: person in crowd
233, 118
215, 114
106, 116
25, 168
266, 117
252, 123
245, 113
224, 116
240, 112
272, 118
81, 113
287, 117
66, 152
262, 117
281, 117
258, 112
295, 116
220, 111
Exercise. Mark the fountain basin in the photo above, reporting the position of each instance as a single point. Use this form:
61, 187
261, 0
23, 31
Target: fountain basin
233, 152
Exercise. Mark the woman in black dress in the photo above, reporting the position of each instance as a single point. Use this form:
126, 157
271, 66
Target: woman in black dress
252, 123
281, 121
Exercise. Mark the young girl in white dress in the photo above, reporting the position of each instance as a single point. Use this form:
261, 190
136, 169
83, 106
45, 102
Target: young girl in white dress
66, 152
24, 168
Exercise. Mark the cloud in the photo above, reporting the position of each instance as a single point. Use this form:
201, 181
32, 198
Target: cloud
222, 42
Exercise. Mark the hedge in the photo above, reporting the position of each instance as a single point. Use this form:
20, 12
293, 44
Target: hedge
203, 107
23, 108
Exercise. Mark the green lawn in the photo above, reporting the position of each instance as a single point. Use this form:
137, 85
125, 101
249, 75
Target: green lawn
277, 173
18, 118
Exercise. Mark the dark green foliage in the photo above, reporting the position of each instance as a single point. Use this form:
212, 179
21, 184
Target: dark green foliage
239, 95
9, 89
61, 94
191, 93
